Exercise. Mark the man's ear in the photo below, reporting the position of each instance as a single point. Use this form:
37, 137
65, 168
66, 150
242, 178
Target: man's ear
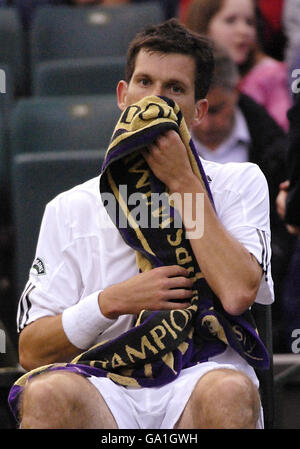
201, 109
122, 94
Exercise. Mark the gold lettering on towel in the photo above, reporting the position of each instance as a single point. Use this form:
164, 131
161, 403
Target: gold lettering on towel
160, 212
157, 338
168, 359
117, 361
168, 327
144, 179
145, 343
182, 256
178, 238
187, 315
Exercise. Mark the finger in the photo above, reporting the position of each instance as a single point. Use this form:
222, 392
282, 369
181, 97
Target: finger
162, 142
174, 270
284, 185
179, 294
294, 230
175, 305
153, 150
179, 282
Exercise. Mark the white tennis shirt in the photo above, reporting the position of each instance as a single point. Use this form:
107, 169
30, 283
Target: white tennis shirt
78, 255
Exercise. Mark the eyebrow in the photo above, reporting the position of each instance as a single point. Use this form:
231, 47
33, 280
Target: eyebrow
168, 81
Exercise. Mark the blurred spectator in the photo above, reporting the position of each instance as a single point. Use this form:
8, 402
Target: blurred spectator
236, 129
288, 202
272, 36
182, 9
232, 24
291, 25
289, 198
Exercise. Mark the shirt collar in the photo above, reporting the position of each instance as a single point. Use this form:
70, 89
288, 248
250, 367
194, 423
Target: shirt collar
239, 135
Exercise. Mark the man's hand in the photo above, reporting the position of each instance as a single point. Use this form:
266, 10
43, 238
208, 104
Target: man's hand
281, 198
168, 159
152, 290
281, 206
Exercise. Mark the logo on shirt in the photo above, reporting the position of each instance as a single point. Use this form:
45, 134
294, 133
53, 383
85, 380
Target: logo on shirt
39, 266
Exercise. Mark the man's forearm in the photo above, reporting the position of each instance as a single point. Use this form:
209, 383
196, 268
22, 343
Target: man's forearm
44, 341
230, 270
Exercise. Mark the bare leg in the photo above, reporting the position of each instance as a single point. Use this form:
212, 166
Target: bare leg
222, 399
64, 400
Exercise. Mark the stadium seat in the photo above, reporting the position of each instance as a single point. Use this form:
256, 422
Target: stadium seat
12, 46
62, 123
7, 86
36, 179
263, 317
86, 76
93, 31
2, 153
7, 100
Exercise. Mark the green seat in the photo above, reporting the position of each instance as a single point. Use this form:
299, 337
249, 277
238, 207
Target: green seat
2, 150
62, 123
12, 48
36, 179
85, 76
7, 87
66, 32
263, 317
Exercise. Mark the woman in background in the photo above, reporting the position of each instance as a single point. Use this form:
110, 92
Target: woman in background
232, 24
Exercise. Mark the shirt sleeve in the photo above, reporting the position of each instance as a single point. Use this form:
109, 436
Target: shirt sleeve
55, 282
242, 203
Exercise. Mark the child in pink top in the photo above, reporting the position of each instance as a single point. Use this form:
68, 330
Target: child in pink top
232, 24
266, 83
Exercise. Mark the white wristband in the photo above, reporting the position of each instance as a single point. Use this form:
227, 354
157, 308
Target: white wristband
84, 322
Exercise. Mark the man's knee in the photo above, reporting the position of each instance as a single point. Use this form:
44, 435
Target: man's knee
59, 400
56, 386
227, 398
48, 397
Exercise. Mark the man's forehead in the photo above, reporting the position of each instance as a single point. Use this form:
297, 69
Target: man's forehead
155, 61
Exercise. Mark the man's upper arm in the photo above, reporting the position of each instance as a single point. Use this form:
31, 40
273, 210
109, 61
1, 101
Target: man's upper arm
242, 203
52, 284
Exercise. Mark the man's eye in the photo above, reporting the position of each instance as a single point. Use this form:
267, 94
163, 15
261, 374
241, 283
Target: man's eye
144, 82
176, 89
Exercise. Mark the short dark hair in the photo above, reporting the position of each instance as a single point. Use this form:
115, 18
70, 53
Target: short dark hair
173, 37
226, 74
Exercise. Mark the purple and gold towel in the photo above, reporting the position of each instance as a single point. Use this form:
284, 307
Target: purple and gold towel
162, 343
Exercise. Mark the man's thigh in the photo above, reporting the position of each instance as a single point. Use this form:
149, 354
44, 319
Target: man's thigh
63, 399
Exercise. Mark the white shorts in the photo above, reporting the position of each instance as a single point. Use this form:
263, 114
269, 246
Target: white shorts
161, 407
